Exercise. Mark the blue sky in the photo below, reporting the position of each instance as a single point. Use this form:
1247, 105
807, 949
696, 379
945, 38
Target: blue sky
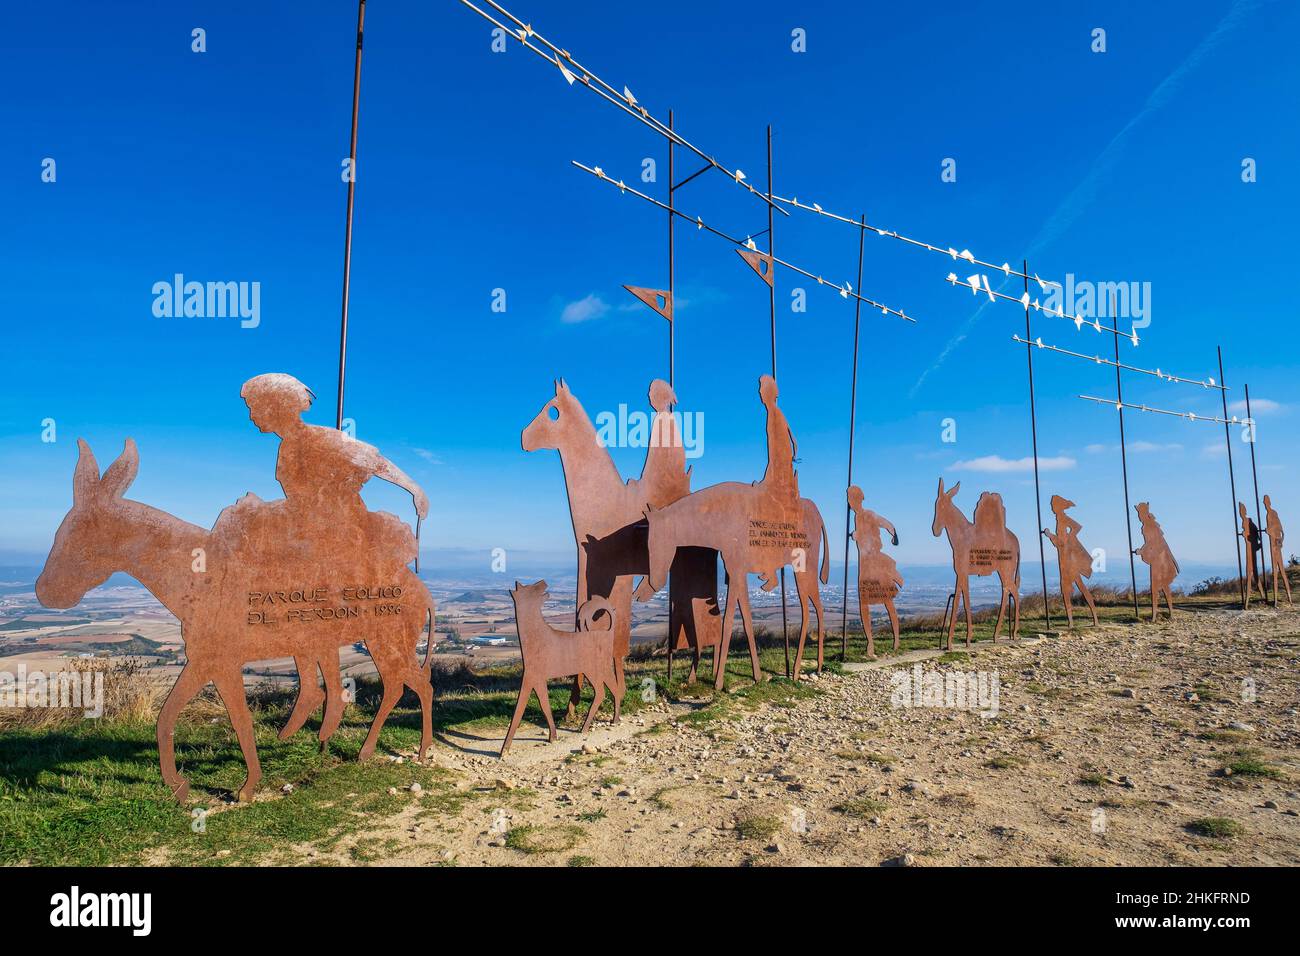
224, 166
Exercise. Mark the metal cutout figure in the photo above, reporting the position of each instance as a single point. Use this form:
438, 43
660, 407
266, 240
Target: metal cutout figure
983, 547
1159, 559
1276, 536
549, 653
1073, 560
1254, 539
757, 529
272, 579
607, 516
878, 577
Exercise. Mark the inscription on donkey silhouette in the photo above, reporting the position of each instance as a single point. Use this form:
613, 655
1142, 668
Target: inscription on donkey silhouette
549, 653
758, 529
1073, 560
1254, 539
1273, 528
878, 577
985, 546
1159, 559
609, 525
296, 577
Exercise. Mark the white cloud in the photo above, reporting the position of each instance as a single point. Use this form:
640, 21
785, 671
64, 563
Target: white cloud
1141, 446
1096, 449
585, 309
996, 463
1258, 406
428, 456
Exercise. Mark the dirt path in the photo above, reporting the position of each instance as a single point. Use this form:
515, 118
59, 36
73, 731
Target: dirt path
1106, 745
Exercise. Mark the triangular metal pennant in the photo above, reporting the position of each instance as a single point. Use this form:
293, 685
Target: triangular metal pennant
661, 300
760, 262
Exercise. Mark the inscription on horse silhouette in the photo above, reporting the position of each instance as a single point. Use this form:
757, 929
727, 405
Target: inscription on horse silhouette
757, 529
244, 606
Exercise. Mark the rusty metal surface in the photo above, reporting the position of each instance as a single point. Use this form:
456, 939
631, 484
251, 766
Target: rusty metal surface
1254, 539
661, 300
983, 547
756, 528
1276, 536
608, 515
1073, 560
294, 577
760, 262
1159, 559
549, 653
879, 580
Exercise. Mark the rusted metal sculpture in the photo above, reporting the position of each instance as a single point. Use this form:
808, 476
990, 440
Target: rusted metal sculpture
878, 577
983, 547
296, 577
608, 519
757, 529
1159, 559
1073, 560
1254, 539
549, 653
1273, 528
244, 606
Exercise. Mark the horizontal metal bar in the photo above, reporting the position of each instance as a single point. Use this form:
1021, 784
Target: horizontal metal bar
1097, 359
844, 291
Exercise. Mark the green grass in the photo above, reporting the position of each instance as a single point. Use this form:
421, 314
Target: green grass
1004, 762
862, 807
530, 839
1246, 763
757, 826
1216, 827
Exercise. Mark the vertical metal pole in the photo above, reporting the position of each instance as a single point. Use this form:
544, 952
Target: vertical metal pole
1033, 430
1232, 483
771, 298
1123, 457
347, 238
672, 296
853, 411
1254, 474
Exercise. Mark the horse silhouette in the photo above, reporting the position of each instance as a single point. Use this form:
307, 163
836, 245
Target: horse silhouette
981, 548
104, 532
721, 518
609, 526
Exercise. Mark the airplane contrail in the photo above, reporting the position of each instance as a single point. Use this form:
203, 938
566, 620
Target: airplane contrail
1074, 204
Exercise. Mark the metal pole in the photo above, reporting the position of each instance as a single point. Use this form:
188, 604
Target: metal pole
672, 298
1033, 430
1254, 474
1123, 457
771, 299
347, 239
853, 411
1232, 482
